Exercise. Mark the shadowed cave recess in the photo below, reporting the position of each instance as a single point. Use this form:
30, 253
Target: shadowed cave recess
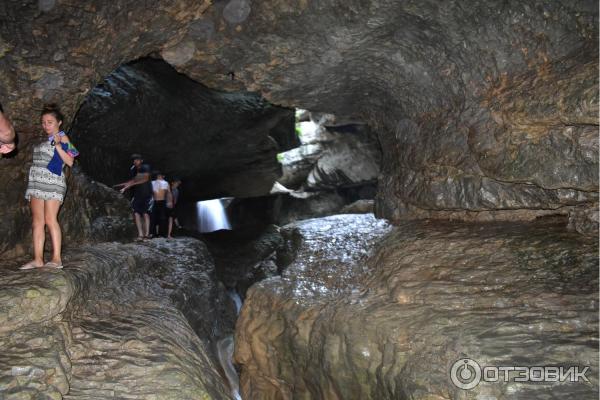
411, 189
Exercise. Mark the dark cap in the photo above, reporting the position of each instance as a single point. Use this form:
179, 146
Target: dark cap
136, 156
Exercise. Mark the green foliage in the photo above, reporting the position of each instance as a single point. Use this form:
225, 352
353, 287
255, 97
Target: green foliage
280, 157
298, 131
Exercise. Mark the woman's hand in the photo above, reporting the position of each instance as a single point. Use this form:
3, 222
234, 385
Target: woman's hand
6, 148
57, 139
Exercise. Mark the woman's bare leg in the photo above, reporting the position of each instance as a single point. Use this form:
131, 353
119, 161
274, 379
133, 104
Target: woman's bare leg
51, 208
37, 227
170, 228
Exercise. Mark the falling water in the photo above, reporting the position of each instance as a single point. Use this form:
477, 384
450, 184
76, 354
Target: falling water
225, 348
211, 215
225, 352
236, 299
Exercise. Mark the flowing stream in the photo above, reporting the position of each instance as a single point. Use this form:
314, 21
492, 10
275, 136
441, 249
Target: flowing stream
225, 348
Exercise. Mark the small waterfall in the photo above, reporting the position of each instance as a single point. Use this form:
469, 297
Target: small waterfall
211, 215
225, 348
225, 354
236, 299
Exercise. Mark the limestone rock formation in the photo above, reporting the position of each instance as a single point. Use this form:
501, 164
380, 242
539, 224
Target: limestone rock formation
348, 323
331, 156
134, 321
351, 158
304, 205
483, 109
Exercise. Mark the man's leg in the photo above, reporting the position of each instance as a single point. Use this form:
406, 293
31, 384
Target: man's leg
147, 223
138, 224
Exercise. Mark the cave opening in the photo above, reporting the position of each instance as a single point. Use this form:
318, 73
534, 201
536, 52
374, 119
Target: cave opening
244, 163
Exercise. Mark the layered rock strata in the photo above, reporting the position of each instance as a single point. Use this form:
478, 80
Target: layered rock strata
124, 321
346, 322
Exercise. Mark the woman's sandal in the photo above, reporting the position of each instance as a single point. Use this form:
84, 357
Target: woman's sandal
54, 265
30, 265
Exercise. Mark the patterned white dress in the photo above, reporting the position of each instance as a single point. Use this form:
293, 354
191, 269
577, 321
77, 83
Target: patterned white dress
43, 184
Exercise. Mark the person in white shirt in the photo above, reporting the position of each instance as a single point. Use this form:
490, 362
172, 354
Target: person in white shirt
160, 189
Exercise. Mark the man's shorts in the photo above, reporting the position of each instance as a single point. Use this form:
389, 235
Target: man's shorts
142, 206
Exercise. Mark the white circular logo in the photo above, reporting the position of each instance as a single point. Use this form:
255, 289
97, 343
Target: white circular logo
465, 373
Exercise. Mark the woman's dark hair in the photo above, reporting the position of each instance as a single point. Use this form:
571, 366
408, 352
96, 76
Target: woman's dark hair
54, 110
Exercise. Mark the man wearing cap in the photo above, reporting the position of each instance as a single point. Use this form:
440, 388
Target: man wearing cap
141, 203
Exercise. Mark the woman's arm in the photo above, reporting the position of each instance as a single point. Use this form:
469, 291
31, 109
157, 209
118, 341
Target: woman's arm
66, 157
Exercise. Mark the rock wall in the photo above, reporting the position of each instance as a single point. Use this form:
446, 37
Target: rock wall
349, 319
483, 110
136, 321
331, 156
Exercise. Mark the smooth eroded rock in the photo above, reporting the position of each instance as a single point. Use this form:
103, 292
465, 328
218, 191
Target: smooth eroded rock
343, 326
126, 321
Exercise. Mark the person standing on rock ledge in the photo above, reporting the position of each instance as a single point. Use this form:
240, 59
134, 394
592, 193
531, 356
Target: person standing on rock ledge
141, 203
47, 186
7, 134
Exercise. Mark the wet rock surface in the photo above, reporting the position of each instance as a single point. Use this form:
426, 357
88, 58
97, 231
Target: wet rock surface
124, 321
388, 319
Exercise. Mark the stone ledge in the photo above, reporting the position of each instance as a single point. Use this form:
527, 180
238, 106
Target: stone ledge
115, 322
